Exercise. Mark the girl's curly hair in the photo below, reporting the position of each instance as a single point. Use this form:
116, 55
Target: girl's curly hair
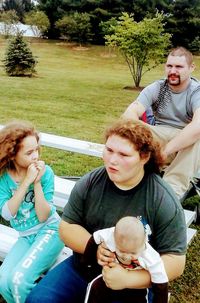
141, 137
11, 137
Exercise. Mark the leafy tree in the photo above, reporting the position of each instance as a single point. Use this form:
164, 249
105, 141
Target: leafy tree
8, 19
38, 21
75, 27
19, 6
143, 44
107, 27
19, 60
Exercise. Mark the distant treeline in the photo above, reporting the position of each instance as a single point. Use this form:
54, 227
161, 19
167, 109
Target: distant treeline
181, 16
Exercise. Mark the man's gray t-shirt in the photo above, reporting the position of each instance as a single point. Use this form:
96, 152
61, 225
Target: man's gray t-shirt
170, 108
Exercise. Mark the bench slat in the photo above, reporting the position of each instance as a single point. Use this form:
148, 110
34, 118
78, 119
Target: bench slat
63, 187
190, 216
8, 237
70, 144
73, 145
191, 233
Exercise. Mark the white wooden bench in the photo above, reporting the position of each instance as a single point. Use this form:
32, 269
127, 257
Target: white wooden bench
63, 187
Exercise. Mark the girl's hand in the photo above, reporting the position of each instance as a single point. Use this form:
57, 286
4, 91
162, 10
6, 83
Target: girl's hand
115, 276
31, 174
40, 165
104, 255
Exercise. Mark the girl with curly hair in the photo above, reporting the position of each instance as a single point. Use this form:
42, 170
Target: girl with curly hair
26, 201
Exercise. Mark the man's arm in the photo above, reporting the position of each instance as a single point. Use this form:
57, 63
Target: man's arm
117, 277
134, 111
188, 136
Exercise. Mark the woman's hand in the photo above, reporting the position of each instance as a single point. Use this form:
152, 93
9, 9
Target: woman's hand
115, 276
104, 255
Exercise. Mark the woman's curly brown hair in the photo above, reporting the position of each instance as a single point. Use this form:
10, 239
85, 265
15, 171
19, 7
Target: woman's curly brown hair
142, 139
11, 137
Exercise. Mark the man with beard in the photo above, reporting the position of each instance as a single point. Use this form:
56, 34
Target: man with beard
176, 106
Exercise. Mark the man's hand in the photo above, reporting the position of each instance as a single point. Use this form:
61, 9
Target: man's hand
115, 276
104, 255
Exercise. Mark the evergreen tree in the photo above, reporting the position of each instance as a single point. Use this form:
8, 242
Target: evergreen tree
184, 23
54, 9
19, 60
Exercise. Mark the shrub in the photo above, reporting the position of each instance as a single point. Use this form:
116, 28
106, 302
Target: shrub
19, 60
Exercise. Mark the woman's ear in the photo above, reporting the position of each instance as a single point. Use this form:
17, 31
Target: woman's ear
145, 157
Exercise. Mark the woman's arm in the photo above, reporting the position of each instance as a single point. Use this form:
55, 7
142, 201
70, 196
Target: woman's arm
116, 277
74, 236
174, 265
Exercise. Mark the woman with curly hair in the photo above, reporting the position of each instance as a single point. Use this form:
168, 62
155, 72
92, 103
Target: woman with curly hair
127, 185
26, 201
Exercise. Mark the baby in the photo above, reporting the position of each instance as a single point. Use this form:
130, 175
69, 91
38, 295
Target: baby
129, 242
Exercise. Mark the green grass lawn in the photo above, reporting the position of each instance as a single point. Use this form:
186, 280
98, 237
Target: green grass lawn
76, 94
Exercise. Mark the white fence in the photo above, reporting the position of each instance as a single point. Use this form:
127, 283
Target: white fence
12, 29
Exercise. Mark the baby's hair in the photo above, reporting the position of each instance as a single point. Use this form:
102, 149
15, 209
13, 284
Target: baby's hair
128, 228
11, 136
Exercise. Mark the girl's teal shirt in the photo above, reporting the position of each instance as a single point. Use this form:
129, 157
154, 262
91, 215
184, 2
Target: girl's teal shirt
26, 217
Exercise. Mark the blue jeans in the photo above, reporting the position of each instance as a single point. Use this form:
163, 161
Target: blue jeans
62, 284
65, 284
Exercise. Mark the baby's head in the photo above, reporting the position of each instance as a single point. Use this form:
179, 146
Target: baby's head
130, 239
